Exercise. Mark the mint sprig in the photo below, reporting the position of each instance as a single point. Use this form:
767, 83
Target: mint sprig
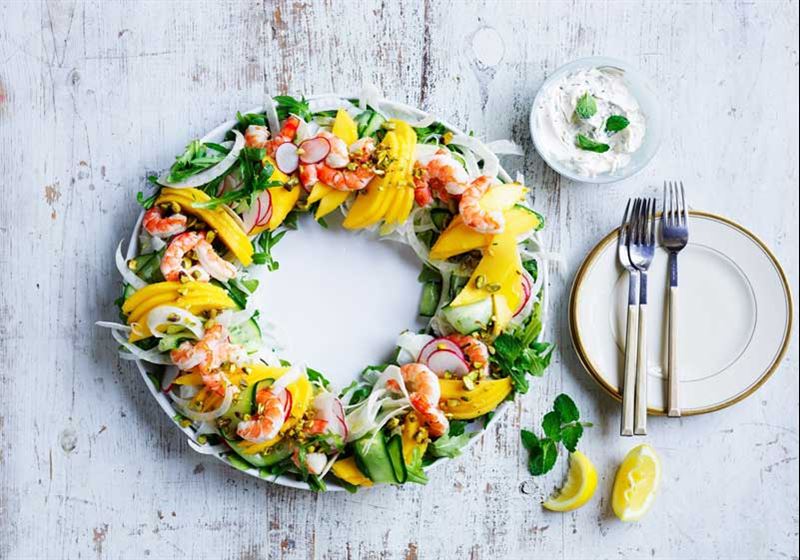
586, 106
560, 426
586, 143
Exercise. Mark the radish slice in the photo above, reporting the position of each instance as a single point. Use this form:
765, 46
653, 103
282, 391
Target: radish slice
250, 216
314, 150
526, 288
443, 361
439, 344
259, 213
266, 207
286, 158
288, 402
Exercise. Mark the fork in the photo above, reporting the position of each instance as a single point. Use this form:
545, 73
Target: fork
641, 248
674, 237
629, 379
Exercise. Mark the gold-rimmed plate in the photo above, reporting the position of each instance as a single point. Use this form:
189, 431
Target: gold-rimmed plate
735, 316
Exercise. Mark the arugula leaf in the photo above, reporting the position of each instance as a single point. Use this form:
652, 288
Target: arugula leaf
586, 106
289, 105
265, 242
317, 377
194, 159
615, 123
586, 143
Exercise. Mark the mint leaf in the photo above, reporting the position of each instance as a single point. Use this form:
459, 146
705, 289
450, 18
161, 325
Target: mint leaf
543, 458
586, 106
566, 408
551, 424
570, 435
508, 347
615, 123
529, 439
586, 143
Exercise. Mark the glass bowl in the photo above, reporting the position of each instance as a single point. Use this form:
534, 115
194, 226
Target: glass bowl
648, 103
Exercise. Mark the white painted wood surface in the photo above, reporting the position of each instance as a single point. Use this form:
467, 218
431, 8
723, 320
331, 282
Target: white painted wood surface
93, 95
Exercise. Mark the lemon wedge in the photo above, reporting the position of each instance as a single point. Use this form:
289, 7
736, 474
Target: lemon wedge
636, 483
579, 488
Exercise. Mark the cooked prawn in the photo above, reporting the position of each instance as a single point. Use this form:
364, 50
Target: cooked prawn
422, 189
314, 462
256, 136
345, 179
476, 352
476, 217
286, 134
207, 355
202, 356
424, 393
441, 176
308, 176
362, 149
339, 156
267, 421
211, 263
157, 225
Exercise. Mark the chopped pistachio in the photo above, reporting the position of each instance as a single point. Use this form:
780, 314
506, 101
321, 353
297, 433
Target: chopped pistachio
132, 264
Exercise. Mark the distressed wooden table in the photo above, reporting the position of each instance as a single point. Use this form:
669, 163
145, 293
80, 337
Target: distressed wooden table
93, 95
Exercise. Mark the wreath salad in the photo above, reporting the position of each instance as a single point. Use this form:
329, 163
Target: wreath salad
207, 354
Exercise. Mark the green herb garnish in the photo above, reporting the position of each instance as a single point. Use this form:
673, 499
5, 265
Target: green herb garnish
586, 143
288, 105
265, 242
518, 354
586, 106
560, 425
193, 160
615, 123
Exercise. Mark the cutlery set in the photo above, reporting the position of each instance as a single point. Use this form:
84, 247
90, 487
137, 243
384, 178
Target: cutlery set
635, 250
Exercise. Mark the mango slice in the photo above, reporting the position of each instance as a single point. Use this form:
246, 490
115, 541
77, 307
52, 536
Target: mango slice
347, 470
499, 273
463, 404
218, 219
345, 127
459, 238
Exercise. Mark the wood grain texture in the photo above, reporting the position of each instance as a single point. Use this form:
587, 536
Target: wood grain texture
94, 95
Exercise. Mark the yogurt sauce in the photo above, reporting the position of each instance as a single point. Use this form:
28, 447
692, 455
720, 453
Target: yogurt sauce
558, 125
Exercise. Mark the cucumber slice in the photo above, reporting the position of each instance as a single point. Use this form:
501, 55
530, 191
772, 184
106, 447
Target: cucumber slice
275, 454
440, 218
230, 420
149, 267
375, 122
372, 458
395, 450
430, 298
540, 225
172, 341
362, 120
248, 335
467, 319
